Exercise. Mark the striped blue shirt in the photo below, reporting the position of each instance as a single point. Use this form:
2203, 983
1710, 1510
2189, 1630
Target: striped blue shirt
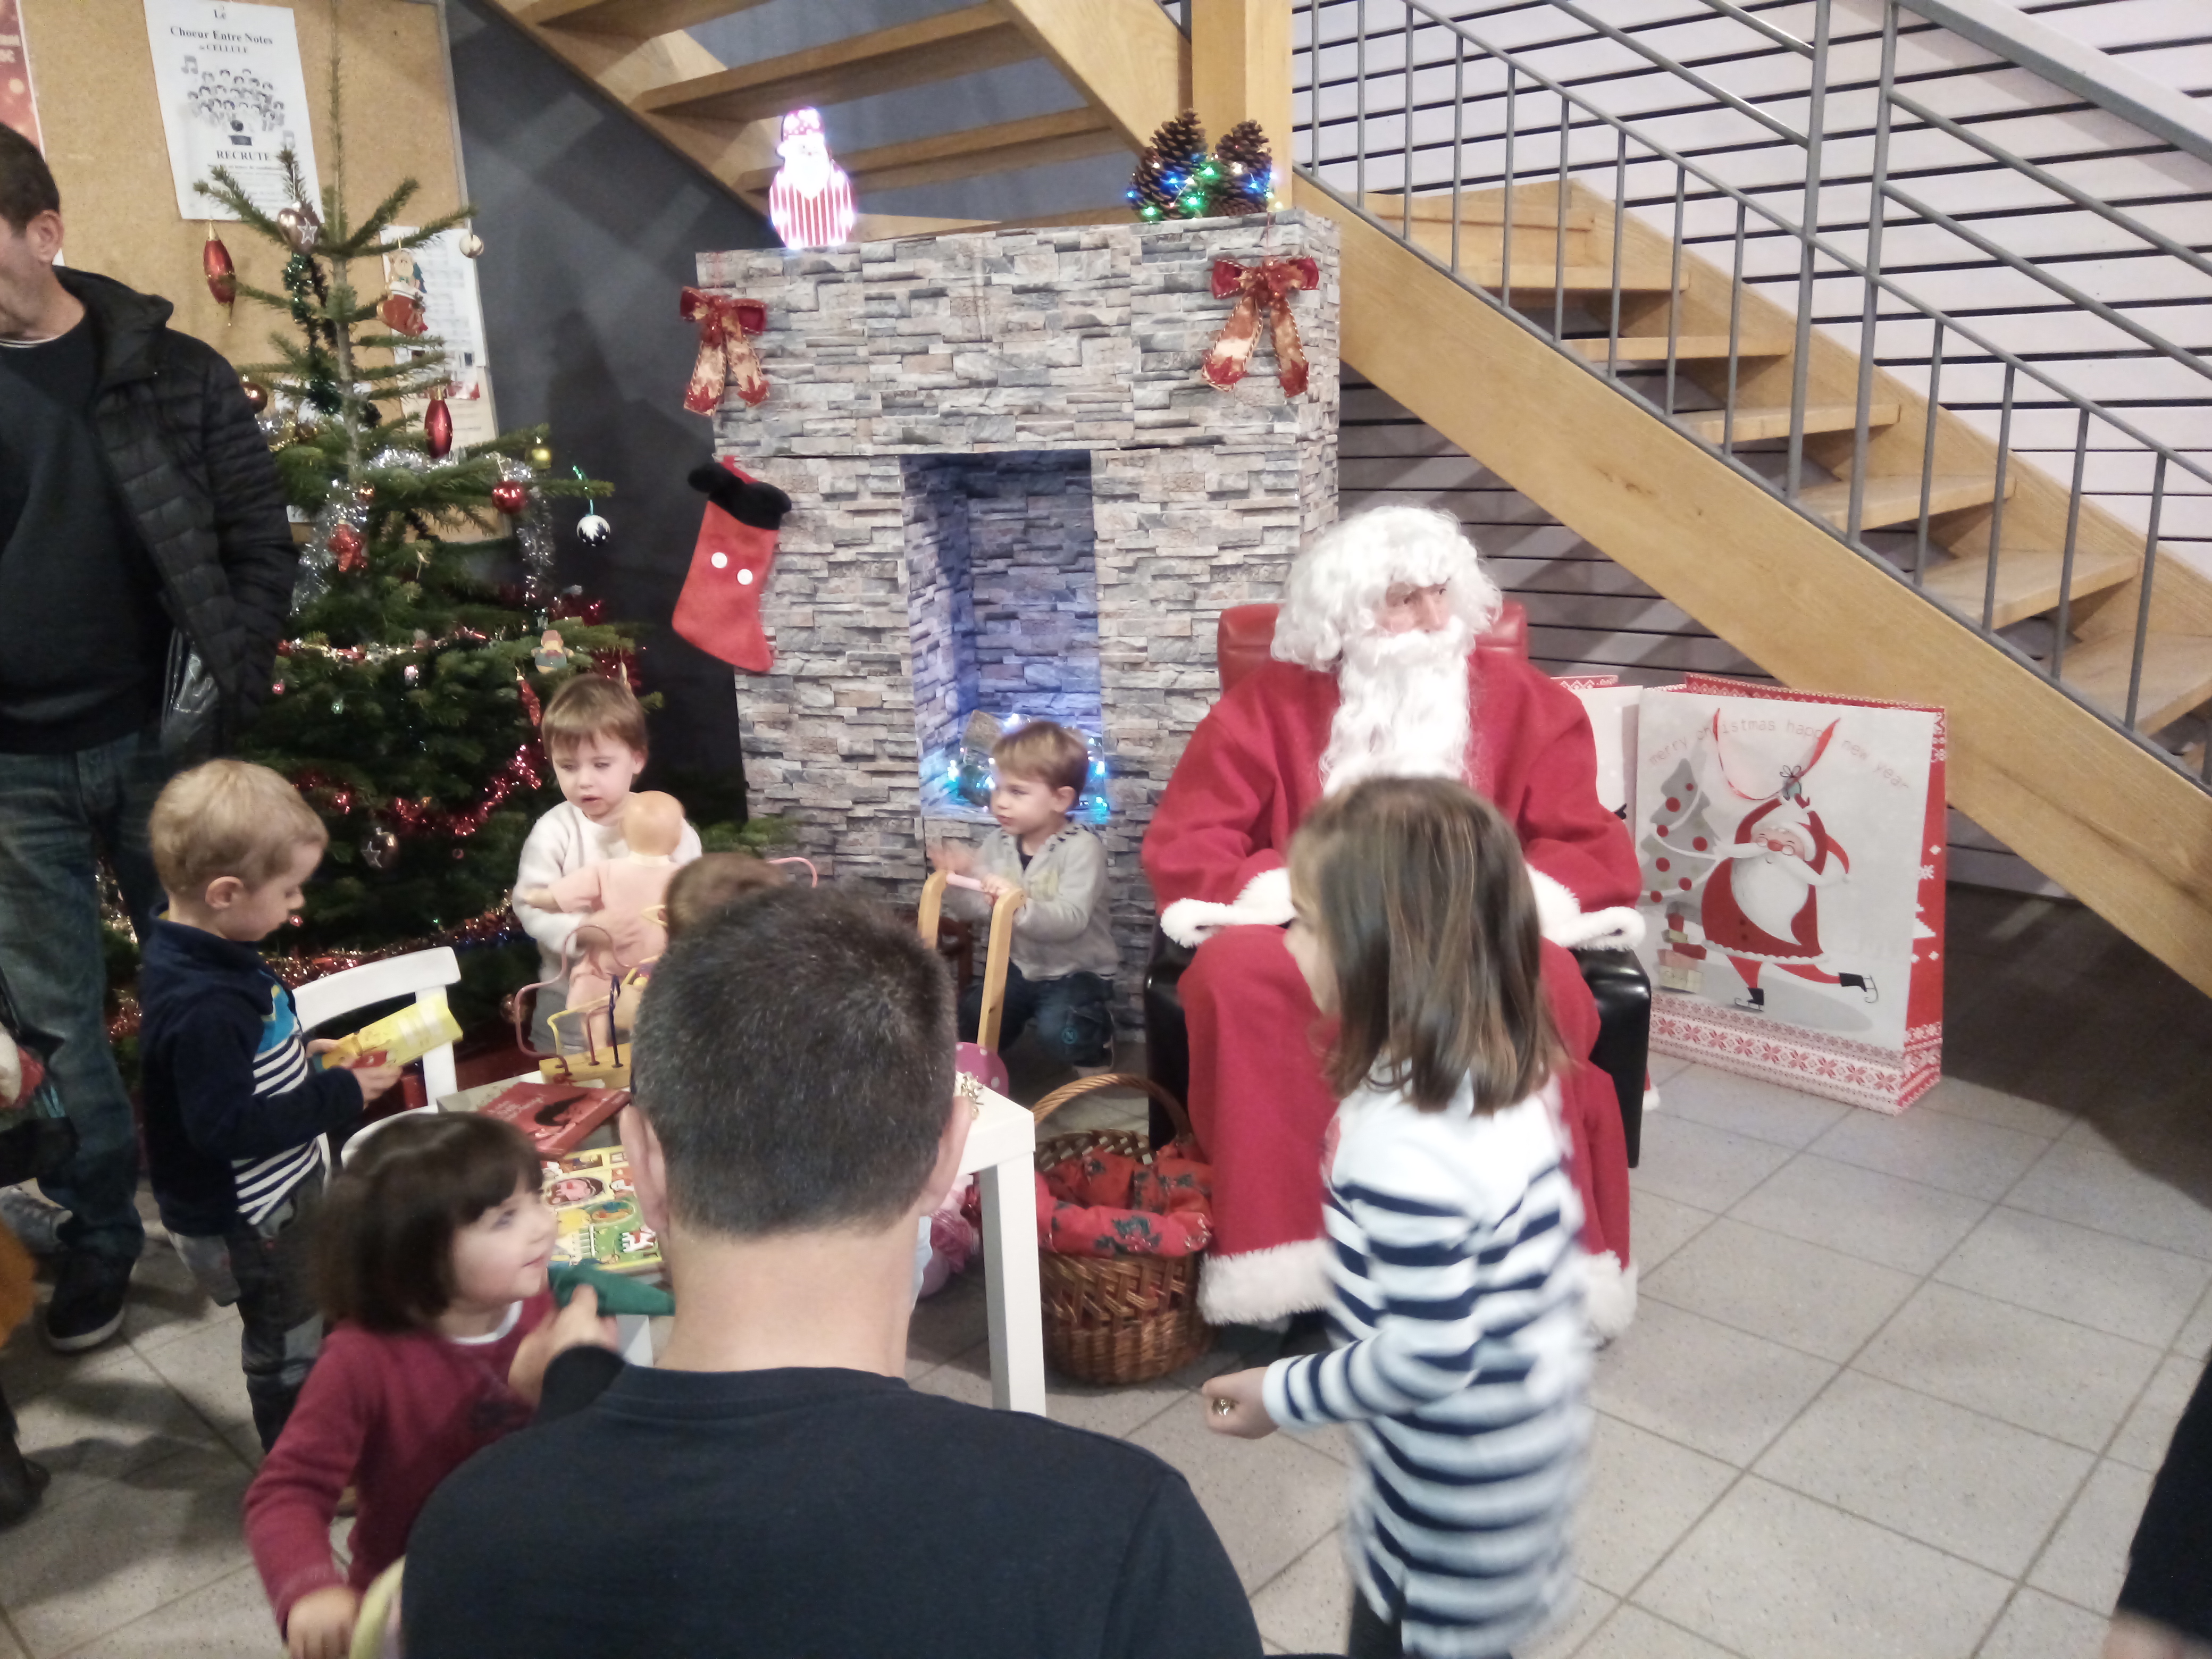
280, 1066
1461, 1362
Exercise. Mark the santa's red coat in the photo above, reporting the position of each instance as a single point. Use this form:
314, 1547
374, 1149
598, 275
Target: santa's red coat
1251, 773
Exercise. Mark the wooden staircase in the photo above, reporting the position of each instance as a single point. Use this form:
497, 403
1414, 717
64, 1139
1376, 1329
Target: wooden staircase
2114, 825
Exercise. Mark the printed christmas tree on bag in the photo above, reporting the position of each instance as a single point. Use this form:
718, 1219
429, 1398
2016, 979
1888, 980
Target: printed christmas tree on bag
1679, 852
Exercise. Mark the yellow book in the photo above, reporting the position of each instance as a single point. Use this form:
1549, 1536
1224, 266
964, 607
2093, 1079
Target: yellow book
407, 1036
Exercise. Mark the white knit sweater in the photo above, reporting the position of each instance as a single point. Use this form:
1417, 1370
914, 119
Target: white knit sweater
562, 841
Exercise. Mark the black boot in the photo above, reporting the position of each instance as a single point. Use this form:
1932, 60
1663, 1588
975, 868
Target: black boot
21, 1480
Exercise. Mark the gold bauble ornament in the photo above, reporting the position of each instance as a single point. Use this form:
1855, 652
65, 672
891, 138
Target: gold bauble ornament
541, 456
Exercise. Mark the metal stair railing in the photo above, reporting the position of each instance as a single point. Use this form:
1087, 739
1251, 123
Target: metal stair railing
1516, 78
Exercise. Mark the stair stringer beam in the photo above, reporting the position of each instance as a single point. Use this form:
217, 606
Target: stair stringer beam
2124, 832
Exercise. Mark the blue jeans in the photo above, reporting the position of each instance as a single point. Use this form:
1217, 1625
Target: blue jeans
1074, 1014
58, 813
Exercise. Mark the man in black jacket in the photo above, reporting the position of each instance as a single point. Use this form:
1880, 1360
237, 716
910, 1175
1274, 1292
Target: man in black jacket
143, 545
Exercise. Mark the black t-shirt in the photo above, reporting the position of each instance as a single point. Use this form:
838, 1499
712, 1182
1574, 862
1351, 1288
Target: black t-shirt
812, 1515
86, 635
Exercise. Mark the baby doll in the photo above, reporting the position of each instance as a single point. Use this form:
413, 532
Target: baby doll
624, 897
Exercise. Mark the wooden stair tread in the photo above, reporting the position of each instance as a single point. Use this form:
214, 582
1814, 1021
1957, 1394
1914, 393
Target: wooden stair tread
1535, 206
2027, 580
1751, 424
1639, 349
937, 48
1896, 500
1542, 277
641, 19
2177, 674
969, 152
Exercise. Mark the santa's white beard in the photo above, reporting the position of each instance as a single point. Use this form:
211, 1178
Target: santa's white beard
1403, 709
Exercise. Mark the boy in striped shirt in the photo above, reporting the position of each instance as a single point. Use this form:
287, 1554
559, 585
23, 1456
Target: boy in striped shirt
235, 1114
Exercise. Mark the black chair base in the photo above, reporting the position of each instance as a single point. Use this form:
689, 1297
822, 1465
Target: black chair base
1616, 979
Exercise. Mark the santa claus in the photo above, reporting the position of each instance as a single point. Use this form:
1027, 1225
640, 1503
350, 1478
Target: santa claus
1375, 675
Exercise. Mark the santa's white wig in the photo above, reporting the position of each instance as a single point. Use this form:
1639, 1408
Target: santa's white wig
1338, 583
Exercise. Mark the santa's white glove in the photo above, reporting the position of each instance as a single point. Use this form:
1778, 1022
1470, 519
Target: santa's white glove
1265, 903
1562, 919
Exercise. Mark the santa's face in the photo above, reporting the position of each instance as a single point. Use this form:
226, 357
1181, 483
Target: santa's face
805, 162
1408, 609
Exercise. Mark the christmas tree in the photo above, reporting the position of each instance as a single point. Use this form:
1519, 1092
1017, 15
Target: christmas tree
1679, 852
405, 703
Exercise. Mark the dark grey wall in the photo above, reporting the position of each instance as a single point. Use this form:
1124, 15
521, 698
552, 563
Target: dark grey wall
590, 226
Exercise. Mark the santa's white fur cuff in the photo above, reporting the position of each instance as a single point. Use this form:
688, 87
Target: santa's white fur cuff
1265, 903
1257, 1286
1609, 1298
1562, 919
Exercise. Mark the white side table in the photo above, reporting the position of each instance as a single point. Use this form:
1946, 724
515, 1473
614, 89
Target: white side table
1001, 1149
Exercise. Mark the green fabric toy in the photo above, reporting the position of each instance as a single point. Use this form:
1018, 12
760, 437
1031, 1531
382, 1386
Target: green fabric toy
618, 1294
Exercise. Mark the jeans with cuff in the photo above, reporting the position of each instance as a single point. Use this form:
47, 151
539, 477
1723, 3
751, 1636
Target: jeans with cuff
1074, 1014
58, 815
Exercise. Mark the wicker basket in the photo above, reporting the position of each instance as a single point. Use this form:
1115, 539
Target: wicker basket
1116, 1319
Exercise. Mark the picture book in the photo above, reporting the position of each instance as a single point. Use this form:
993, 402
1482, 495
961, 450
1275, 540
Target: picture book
556, 1115
401, 1038
596, 1208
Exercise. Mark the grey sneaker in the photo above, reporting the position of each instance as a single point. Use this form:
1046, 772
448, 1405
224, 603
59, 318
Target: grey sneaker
35, 1223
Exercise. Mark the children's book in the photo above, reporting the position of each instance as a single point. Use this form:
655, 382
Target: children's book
556, 1115
401, 1038
596, 1206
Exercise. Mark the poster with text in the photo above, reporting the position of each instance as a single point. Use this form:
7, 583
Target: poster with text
1793, 906
19, 104
233, 96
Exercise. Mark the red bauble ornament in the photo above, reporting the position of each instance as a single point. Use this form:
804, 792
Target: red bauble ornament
222, 275
438, 428
510, 496
346, 544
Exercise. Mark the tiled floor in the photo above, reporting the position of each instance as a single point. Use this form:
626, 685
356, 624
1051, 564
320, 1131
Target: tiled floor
1897, 1388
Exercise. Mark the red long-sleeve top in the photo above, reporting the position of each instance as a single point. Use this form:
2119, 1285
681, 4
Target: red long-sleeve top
394, 1414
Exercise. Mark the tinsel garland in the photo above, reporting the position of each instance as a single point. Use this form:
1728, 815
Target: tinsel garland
423, 816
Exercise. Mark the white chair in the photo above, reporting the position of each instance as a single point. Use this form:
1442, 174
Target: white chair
424, 975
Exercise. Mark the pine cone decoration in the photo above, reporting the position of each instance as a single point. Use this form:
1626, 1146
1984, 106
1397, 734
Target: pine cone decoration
1245, 170
1181, 146
1148, 190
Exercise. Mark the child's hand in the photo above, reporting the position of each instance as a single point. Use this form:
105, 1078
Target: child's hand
375, 1076
1243, 1393
321, 1624
952, 859
998, 887
537, 898
576, 1326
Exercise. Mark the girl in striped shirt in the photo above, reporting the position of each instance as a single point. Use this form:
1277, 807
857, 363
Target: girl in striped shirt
1459, 1360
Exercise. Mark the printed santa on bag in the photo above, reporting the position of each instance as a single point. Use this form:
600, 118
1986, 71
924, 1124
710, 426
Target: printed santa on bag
1792, 854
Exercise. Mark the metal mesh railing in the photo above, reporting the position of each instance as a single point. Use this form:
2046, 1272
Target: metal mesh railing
1411, 114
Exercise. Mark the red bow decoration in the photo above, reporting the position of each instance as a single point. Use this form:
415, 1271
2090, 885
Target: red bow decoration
725, 353
1268, 284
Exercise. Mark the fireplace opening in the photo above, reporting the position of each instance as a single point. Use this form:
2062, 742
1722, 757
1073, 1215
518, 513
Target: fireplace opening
1002, 607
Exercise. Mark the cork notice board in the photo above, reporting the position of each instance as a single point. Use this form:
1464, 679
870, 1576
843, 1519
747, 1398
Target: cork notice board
102, 127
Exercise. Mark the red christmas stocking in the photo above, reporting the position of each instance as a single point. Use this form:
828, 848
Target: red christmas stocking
720, 608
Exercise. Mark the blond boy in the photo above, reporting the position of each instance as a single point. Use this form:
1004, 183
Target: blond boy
235, 1116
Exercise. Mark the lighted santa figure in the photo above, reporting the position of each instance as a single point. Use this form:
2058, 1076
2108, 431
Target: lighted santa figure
810, 200
1376, 675
1762, 902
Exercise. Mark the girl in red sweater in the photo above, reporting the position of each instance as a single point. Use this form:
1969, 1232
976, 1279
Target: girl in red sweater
431, 1254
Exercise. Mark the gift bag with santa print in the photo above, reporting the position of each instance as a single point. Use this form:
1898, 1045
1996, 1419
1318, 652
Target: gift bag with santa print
1792, 852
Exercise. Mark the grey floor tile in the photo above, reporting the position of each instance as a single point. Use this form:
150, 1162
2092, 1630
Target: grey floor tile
2091, 1185
2093, 1278
951, 1323
81, 1569
2195, 1341
1709, 1168
165, 1303
1633, 1633
1660, 1226
1963, 1482
1773, 1575
1862, 1212
1567, 1637
2142, 1439
1699, 1383
106, 1423
2023, 1367
1118, 1411
1664, 1068
1985, 1104
28, 1368
1805, 1296
228, 1619
1271, 1500
1307, 1607
2087, 1557
1958, 1154
2040, 1626
1750, 1106
203, 1368
1643, 1494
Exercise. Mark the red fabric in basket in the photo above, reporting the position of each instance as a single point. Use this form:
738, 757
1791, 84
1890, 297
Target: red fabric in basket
1103, 1203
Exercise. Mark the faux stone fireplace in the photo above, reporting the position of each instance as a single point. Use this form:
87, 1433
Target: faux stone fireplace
942, 413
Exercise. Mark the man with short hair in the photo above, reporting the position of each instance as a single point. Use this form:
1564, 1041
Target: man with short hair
773, 1487
1376, 674
146, 573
